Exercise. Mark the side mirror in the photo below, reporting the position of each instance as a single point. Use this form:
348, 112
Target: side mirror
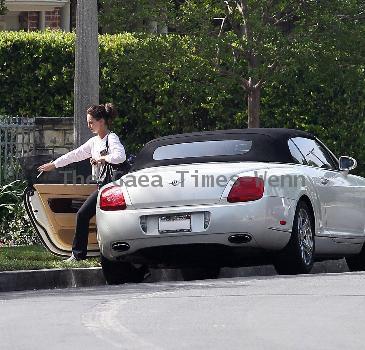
347, 163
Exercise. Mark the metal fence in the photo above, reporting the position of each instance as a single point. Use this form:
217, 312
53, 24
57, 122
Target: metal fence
16, 142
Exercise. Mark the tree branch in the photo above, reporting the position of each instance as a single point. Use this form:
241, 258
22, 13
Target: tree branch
287, 15
265, 12
270, 68
224, 72
358, 16
246, 84
243, 10
229, 8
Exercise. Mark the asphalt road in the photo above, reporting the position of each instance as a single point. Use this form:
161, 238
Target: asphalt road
323, 311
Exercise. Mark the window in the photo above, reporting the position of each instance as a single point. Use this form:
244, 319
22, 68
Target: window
297, 156
314, 153
202, 149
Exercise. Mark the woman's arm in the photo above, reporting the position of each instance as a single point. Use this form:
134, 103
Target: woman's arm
78, 154
116, 150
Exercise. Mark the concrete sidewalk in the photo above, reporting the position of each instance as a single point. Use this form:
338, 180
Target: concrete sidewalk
89, 277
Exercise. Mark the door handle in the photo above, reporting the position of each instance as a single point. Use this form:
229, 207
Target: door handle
324, 181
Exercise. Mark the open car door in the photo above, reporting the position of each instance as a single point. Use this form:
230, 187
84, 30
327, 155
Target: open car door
52, 207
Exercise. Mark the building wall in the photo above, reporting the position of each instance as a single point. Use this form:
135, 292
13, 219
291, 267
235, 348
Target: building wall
30, 141
31, 20
10, 21
53, 18
53, 135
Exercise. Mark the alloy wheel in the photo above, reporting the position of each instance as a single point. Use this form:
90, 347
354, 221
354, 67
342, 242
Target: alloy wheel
305, 236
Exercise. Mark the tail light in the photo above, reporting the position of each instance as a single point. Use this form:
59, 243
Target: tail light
112, 198
246, 189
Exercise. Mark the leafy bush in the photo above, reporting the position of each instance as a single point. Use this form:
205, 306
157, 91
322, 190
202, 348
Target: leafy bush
115, 15
329, 102
161, 84
170, 84
36, 74
165, 84
15, 227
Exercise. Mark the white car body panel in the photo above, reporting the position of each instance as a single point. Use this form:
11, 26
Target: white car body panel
345, 214
259, 218
189, 192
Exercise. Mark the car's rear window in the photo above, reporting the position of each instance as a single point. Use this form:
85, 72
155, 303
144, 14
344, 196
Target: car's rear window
202, 149
229, 146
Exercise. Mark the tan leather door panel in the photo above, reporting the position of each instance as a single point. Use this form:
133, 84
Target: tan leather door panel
60, 204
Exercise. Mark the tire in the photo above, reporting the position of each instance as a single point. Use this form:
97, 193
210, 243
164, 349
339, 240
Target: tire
200, 273
117, 272
357, 262
298, 255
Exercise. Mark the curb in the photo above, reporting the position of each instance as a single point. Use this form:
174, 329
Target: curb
50, 279
91, 277
328, 266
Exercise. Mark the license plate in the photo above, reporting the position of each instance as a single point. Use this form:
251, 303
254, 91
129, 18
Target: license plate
174, 223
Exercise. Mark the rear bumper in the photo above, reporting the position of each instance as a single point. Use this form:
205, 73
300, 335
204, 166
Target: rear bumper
260, 219
198, 255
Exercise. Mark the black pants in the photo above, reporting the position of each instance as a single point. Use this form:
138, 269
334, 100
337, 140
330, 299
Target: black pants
85, 213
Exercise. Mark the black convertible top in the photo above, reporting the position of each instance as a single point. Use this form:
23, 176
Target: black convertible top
277, 133
268, 145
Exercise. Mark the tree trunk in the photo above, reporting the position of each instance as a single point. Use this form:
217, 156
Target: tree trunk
86, 83
254, 96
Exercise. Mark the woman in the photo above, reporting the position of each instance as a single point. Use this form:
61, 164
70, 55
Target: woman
104, 147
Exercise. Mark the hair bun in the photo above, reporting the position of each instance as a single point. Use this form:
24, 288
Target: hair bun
106, 112
110, 111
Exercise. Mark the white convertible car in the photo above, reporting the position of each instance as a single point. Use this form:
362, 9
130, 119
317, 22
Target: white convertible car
204, 200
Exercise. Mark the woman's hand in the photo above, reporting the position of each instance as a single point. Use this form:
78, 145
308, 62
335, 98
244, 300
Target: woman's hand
101, 160
47, 167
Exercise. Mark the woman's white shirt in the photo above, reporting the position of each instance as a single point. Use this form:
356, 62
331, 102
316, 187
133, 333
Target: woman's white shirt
92, 149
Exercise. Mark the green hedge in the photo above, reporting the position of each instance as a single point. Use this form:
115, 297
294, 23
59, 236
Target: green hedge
160, 84
36, 74
168, 84
329, 102
165, 84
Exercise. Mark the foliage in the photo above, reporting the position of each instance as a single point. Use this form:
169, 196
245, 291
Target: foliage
263, 38
170, 84
258, 39
200, 17
9, 197
36, 73
330, 106
117, 16
15, 228
165, 85
161, 84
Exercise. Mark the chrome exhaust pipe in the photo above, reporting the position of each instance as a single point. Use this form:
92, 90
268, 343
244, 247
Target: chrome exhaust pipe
120, 246
240, 238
